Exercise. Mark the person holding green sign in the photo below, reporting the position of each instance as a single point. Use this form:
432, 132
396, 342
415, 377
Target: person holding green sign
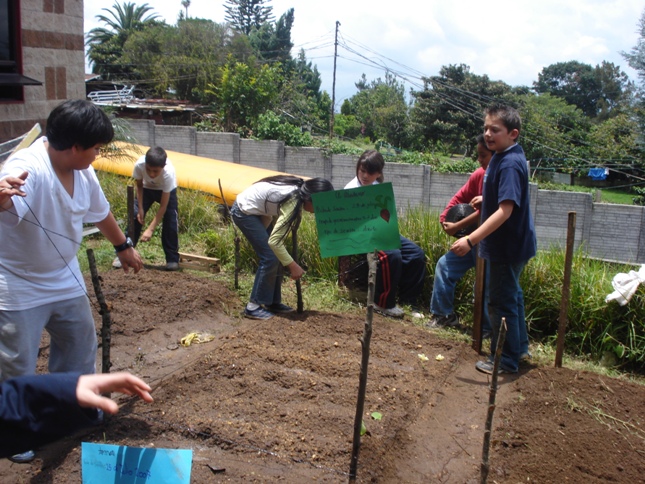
265, 213
401, 270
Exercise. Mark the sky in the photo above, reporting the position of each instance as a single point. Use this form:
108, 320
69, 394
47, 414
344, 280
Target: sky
511, 41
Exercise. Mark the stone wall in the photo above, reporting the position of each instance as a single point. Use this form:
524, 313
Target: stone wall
607, 231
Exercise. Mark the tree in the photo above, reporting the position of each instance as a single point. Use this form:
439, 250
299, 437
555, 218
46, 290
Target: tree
554, 133
245, 92
595, 90
105, 43
186, 58
448, 111
245, 15
185, 4
381, 108
273, 41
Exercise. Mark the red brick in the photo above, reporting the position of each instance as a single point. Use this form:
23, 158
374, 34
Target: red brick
50, 82
61, 83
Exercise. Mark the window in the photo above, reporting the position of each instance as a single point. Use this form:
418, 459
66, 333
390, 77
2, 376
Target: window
11, 78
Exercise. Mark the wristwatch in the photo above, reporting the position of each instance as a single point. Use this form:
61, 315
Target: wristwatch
125, 245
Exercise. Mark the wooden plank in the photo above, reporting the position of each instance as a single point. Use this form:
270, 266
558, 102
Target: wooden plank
198, 262
29, 138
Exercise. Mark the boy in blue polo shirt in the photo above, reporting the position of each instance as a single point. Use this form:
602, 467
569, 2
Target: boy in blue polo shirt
506, 236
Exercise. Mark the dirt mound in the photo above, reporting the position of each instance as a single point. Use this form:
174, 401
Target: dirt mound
275, 400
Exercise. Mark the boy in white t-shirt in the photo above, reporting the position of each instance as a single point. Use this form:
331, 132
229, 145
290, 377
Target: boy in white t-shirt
41, 284
156, 182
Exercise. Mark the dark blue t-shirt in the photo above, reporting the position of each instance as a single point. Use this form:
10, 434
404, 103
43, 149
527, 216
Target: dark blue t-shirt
507, 178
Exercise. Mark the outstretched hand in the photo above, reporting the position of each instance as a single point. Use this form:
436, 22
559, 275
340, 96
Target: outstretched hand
10, 186
90, 387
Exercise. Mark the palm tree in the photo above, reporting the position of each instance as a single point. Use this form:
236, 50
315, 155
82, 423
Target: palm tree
105, 43
185, 4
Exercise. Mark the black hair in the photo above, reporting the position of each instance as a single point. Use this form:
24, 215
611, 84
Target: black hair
372, 161
156, 156
78, 122
481, 141
508, 115
303, 194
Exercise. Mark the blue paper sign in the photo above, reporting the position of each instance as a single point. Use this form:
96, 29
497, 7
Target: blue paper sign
119, 464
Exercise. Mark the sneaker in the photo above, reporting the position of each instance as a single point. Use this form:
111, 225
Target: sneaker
280, 308
23, 458
450, 321
116, 263
395, 312
172, 266
526, 356
487, 367
416, 313
259, 313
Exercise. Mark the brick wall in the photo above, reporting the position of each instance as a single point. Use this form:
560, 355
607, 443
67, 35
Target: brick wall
53, 53
612, 232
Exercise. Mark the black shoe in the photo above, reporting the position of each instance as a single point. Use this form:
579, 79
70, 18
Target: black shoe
450, 321
280, 308
487, 367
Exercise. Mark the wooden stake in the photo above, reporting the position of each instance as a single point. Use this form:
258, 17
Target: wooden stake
130, 211
365, 357
294, 240
566, 289
478, 310
106, 327
237, 236
485, 465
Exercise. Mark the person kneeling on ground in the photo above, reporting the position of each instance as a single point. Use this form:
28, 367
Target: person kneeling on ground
400, 272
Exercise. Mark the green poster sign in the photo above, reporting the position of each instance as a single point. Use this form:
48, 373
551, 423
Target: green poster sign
357, 220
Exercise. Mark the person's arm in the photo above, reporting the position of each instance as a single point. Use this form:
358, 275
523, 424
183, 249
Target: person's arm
141, 215
163, 205
278, 236
129, 257
9, 187
451, 228
39, 409
461, 246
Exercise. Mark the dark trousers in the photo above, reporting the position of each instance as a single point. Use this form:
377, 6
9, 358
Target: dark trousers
400, 272
169, 224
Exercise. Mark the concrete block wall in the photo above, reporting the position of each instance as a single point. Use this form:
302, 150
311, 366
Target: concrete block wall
607, 231
551, 217
617, 232
220, 146
262, 154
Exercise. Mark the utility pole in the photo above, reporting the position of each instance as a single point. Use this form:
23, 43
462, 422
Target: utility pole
333, 86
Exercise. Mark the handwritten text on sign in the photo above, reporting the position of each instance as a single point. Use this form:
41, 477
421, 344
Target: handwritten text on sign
120, 464
356, 221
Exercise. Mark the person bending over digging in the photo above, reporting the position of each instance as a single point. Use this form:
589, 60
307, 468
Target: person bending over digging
156, 182
265, 213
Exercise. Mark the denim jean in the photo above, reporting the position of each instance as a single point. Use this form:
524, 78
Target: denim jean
449, 270
169, 223
507, 301
268, 278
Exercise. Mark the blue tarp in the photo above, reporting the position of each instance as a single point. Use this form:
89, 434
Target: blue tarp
598, 173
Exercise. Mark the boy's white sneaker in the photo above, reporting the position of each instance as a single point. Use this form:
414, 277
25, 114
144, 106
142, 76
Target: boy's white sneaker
116, 263
395, 312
